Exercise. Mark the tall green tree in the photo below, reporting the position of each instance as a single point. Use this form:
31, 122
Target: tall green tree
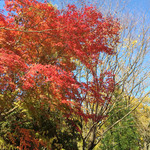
124, 135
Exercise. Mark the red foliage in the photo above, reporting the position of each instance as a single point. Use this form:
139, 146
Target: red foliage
38, 44
27, 139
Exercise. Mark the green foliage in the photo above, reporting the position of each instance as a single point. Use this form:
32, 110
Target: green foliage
124, 135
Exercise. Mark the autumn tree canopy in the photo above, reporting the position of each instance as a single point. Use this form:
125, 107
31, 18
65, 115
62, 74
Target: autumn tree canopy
39, 50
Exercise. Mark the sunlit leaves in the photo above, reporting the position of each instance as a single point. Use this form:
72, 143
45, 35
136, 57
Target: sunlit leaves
40, 47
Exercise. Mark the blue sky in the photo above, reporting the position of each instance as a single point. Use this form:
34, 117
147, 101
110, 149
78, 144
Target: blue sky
140, 7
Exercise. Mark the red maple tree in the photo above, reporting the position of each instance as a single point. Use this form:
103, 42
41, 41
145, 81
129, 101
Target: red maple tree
39, 45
